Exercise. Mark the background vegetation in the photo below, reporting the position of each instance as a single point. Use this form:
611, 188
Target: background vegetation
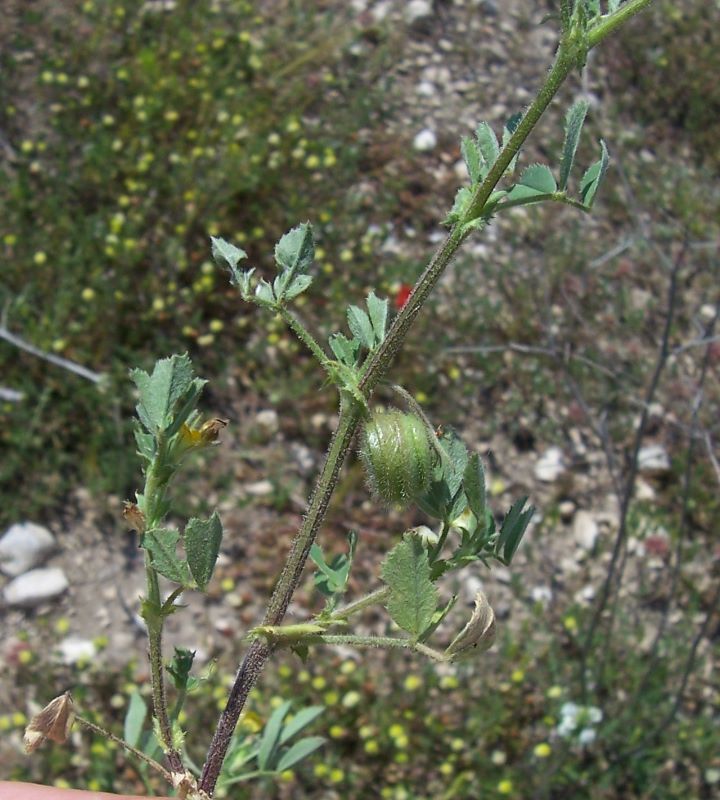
131, 134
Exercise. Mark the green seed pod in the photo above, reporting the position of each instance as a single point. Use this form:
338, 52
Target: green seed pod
398, 456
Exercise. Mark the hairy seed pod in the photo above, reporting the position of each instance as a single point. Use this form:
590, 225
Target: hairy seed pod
398, 456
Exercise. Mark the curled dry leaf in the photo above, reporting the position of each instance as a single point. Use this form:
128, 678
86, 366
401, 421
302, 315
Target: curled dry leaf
53, 722
478, 635
133, 516
210, 430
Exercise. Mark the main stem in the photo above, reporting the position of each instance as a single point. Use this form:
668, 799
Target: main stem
568, 57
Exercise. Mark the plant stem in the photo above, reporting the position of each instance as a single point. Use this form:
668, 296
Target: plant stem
372, 599
570, 55
299, 329
137, 753
156, 481
609, 23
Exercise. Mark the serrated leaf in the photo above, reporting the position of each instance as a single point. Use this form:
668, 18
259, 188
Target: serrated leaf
231, 255
538, 177
378, 311
360, 326
457, 458
460, 206
345, 349
202, 545
513, 527
437, 618
171, 378
300, 721
510, 126
271, 735
134, 719
264, 292
471, 157
479, 633
592, 178
413, 598
299, 751
161, 543
298, 286
244, 283
488, 143
189, 402
296, 249
145, 444
574, 120
180, 666
474, 486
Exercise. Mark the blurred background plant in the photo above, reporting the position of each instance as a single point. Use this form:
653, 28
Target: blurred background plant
126, 146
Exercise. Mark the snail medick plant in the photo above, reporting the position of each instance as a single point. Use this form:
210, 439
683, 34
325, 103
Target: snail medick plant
435, 471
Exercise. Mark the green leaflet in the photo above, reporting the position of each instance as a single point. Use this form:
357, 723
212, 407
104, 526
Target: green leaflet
413, 598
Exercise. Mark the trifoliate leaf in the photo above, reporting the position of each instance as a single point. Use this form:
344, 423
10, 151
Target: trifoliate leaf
202, 545
345, 349
231, 255
471, 156
488, 143
474, 486
360, 326
538, 177
378, 311
462, 202
413, 598
513, 527
479, 633
296, 250
574, 120
264, 292
508, 131
171, 378
298, 286
592, 179
161, 543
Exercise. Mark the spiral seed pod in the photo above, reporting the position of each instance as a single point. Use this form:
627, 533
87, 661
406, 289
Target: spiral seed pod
398, 456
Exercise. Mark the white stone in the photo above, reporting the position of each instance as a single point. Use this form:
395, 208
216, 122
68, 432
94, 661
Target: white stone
585, 530
550, 466
259, 488
24, 546
425, 89
35, 587
653, 459
418, 12
74, 649
425, 141
268, 421
541, 594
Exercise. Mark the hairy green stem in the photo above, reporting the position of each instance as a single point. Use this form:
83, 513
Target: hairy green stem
570, 55
292, 321
156, 481
372, 599
137, 753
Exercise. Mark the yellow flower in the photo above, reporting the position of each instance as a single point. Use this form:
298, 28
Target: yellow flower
542, 750
413, 682
518, 676
505, 787
87, 294
40, 258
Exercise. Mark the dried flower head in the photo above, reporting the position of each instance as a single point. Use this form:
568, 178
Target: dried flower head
53, 722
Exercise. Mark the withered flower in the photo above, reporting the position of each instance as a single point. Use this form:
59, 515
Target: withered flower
53, 722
